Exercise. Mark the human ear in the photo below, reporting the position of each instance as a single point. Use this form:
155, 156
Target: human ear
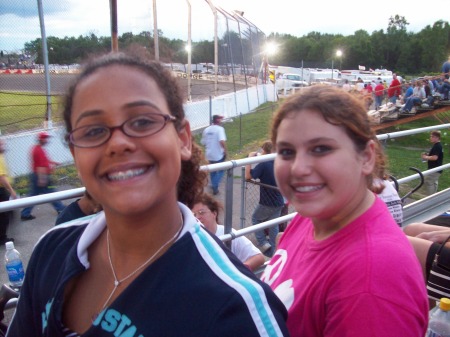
369, 158
185, 137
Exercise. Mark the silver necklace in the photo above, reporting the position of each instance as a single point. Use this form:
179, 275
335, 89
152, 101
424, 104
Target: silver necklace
118, 282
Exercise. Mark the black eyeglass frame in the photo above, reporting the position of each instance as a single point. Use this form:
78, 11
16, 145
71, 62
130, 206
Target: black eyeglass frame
121, 127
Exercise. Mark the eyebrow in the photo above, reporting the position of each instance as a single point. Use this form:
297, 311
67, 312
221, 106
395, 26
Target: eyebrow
97, 112
310, 142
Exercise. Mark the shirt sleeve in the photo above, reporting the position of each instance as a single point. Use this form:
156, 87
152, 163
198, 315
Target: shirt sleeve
243, 248
257, 171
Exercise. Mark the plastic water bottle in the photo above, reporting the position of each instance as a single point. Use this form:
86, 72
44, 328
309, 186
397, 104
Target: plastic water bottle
14, 265
439, 325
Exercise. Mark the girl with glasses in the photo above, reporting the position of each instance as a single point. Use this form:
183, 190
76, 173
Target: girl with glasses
144, 266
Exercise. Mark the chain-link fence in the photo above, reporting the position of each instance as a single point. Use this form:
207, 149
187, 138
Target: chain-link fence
31, 89
253, 196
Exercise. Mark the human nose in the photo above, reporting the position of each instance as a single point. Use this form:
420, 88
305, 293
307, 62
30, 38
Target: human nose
119, 142
301, 165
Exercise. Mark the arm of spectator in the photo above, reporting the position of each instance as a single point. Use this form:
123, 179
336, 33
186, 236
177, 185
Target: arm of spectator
430, 158
421, 248
255, 262
224, 147
435, 236
248, 168
5, 183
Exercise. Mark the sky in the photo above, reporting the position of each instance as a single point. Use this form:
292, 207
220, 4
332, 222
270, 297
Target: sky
19, 19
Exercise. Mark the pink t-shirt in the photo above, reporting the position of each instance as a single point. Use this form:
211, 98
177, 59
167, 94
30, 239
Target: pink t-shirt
365, 280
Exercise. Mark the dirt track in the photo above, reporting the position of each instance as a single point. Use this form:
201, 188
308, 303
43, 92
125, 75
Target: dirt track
200, 89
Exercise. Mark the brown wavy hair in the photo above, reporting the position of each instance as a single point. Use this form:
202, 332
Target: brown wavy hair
209, 201
337, 107
191, 181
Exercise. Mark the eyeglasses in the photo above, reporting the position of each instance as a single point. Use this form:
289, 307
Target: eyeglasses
201, 212
136, 127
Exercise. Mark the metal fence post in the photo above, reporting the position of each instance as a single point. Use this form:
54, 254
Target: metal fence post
228, 218
243, 201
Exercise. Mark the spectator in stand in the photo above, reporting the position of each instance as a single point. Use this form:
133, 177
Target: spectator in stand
416, 98
346, 86
408, 92
383, 187
379, 95
6, 192
84, 206
434, 159
426, 240
395, 89
41, 178
446, 67
207, 209
428, 93
444, 89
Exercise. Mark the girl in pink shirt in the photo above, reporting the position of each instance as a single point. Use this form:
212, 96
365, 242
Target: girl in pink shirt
343, 266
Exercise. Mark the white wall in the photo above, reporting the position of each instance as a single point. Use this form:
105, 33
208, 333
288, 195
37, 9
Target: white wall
18, 146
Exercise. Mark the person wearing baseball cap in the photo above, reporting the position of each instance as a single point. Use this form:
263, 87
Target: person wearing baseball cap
217, 119
214, 139
43, 135
42, 168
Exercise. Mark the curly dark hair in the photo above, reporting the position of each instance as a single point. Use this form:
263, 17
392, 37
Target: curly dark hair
191, 181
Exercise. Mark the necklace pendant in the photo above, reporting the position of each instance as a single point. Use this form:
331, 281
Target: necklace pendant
116, 283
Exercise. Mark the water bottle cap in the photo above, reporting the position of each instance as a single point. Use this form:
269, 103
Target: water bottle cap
9, 245
444, 304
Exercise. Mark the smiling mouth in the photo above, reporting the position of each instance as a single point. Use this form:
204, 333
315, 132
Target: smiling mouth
305, 189
123, 175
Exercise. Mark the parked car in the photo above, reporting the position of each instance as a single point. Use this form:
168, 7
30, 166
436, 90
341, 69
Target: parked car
289, 81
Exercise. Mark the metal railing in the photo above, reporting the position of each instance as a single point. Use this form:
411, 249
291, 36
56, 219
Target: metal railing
418, 211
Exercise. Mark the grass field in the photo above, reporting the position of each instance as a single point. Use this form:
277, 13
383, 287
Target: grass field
23, 111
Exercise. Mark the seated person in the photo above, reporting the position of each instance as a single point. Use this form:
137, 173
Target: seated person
84, 206
416, 98
206, 209
426, 240
445, 88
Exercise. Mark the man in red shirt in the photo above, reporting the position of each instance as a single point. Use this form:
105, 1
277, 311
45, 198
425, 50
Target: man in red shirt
395, 89
379, 94
40, 178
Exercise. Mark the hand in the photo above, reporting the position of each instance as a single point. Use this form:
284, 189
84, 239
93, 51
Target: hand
42, 180
13, 195
253, 154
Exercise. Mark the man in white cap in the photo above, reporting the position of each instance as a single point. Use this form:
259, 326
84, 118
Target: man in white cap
42, 168
214, 139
